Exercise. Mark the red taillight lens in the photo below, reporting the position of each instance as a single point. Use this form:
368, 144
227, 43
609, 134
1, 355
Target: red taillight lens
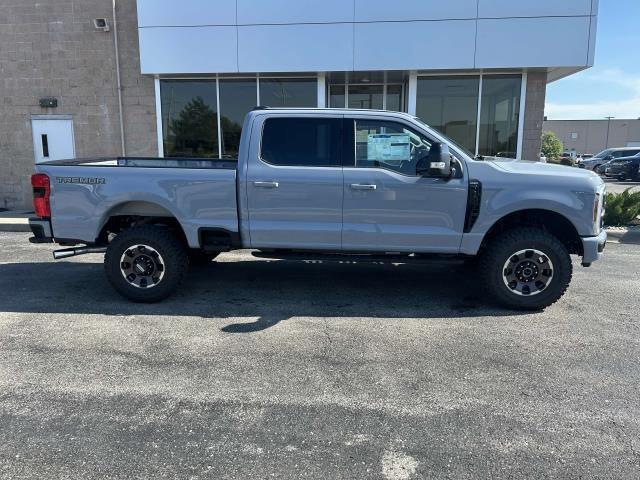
41, 194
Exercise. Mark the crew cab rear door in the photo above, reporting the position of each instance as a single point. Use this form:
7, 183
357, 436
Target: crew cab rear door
388, 206
294, 182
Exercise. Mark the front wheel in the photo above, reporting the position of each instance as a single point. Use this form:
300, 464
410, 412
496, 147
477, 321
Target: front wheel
146, 264
526, 269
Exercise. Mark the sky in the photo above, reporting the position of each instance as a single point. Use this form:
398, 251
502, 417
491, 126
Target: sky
612, 86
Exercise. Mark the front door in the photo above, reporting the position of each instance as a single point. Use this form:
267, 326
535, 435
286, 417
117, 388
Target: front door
388, 207
53, 138
294, 183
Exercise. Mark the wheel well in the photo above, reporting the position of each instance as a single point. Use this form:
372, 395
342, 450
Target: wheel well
554, 223
119, 223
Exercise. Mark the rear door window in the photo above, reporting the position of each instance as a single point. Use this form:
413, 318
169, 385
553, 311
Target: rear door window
302, 142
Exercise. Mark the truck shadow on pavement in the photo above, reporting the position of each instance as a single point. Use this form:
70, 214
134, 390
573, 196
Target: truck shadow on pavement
267, 291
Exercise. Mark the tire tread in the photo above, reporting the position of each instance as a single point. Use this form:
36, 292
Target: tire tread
496, 252
173, 252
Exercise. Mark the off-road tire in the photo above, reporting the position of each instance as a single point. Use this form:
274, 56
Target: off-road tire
501, 248
175, 262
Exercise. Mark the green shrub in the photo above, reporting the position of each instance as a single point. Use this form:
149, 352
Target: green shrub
551, 146
622, 208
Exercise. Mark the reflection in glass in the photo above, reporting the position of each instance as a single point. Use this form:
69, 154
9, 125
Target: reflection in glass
289, 92
366, 96
189, 118
237, 98
499, 115
450, 105
336, 96
394, 98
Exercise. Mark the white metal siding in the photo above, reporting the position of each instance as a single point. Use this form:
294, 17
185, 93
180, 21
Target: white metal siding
374, 49
227, 36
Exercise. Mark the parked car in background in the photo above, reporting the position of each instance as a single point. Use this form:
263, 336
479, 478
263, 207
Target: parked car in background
567, 159
605, 156
506, 155
623, 168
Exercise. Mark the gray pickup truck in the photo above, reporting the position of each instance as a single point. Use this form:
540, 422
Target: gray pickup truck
332, 184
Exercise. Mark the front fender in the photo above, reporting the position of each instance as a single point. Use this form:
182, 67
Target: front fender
497, 204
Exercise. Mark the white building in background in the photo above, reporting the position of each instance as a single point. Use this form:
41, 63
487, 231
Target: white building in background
475, 69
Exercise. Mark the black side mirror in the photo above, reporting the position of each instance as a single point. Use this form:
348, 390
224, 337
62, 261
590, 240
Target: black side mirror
437, 163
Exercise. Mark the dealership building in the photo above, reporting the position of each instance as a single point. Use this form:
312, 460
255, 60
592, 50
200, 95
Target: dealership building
85, 78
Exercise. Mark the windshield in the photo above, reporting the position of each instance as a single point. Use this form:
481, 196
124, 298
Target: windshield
603, 153
448, 139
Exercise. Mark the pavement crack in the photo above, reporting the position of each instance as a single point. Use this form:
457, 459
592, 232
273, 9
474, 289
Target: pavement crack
327, 335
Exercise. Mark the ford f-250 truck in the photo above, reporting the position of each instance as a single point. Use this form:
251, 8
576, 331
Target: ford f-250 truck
324, 183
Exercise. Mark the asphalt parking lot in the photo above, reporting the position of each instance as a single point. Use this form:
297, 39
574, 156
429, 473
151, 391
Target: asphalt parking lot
330, 371
616, 186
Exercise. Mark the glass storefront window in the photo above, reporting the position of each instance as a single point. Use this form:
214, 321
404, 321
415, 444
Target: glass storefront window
366, 96
499, 115
289, 92
450, 105
189, 118
394, 98
367, 90
336, 96
237, 98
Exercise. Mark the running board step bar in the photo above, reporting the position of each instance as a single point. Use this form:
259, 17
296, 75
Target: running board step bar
352, 258
72, 252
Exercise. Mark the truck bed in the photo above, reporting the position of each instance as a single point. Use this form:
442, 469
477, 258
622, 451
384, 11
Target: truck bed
148, 162
199, 193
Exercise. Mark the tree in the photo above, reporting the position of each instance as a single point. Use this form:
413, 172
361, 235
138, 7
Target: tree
194, 132
551, 146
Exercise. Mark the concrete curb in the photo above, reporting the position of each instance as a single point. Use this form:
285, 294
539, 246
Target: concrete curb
624, 235
14, 224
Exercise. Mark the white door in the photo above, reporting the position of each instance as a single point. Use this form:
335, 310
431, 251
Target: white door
53, 139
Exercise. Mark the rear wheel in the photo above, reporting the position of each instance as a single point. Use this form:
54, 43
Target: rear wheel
526, 269
146, 264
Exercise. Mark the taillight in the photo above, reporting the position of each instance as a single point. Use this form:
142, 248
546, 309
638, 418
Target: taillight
41, 194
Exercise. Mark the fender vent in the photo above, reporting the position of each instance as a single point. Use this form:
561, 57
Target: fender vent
474, 200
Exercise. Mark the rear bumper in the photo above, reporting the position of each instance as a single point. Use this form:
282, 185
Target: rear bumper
41, 230
593, 247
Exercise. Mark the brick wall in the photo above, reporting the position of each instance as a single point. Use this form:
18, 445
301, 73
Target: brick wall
51, 48
534, 115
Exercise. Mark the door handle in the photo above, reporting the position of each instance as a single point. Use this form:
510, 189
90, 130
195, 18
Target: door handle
359, 186
266, 184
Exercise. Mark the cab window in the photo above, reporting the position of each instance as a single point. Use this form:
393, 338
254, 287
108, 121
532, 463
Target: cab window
389, 145
302, 142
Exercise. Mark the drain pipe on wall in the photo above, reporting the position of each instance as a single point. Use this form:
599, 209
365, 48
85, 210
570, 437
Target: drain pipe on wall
118, 79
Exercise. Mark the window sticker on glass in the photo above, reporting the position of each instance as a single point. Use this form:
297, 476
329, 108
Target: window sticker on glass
392, 149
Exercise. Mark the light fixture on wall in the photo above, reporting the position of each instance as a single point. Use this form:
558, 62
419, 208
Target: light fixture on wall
101, 24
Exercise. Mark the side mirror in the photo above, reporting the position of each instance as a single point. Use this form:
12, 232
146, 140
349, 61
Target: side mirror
437, 163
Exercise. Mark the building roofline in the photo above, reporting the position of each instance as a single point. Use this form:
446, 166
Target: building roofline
593, 120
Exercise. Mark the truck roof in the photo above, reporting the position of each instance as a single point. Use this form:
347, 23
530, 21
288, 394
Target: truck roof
336, 111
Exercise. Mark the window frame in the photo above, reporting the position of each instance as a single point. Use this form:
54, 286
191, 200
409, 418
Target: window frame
340, 143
